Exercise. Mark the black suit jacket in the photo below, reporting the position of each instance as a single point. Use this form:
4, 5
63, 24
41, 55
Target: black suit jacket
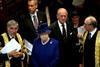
56, 33
66, 44
26, 25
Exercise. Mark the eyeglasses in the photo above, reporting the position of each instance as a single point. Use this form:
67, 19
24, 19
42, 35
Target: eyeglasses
13, 28
87, 24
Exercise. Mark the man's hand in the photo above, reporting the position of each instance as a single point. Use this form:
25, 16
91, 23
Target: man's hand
20, 54
15, 54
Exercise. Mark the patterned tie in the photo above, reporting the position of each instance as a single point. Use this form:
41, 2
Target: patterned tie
35, 22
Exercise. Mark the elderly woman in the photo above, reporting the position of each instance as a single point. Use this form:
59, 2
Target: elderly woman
45, 49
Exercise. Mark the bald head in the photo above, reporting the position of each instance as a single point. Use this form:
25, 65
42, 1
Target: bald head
90, 23
62, 10
90, 20
36, 1
62, 15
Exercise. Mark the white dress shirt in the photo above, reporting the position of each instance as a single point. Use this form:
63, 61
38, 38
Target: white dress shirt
35, 14
60, 26
93, 32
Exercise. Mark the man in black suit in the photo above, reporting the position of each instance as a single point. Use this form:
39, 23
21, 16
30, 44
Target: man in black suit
30, 21
62, 31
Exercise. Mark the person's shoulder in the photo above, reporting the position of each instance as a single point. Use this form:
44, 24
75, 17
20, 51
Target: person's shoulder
40, 12
26, 14
98, 31
1, 36
54, 24
18, 34
54, 41
36, 40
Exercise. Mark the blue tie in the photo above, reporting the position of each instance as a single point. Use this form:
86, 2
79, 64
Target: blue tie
89, 36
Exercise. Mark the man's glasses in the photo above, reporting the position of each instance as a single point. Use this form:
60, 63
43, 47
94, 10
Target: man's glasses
13, 28
87, 24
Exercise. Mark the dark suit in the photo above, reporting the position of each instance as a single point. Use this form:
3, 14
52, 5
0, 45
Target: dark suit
26, 25
66, 44
89, 51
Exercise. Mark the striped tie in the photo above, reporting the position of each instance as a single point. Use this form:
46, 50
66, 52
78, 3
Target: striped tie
35, 22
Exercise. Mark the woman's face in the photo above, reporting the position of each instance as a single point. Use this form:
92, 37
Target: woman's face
75, 19
44, 36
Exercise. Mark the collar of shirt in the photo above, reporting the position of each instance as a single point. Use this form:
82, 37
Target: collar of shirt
44, 43
11, 36
93, 32
35, 14
60, 26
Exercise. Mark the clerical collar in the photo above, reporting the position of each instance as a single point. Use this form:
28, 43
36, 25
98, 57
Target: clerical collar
44, 43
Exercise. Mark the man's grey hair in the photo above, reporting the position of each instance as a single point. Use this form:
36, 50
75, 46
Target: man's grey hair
12, 23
